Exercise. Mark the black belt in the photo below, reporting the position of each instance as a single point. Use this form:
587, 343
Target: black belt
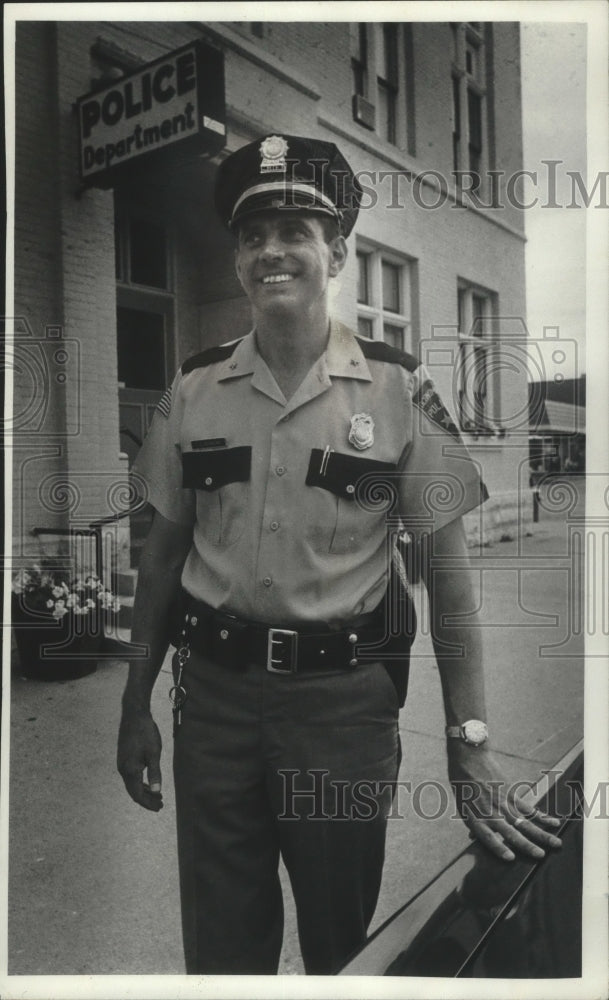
236, 642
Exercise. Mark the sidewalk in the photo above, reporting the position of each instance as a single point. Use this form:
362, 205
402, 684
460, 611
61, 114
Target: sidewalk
93, 878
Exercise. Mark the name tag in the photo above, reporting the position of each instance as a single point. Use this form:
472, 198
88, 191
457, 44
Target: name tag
209, 443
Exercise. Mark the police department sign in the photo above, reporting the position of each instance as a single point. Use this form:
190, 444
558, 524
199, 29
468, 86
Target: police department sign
175, 104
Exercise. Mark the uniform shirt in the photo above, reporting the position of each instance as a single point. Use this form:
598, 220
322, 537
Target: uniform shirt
294, 504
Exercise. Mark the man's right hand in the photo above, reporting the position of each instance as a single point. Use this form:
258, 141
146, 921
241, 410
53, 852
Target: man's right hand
139, 741
139, 751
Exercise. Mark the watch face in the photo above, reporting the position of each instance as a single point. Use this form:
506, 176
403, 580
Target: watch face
475, 732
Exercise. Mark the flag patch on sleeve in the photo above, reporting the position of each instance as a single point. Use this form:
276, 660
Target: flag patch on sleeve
164, 404
427, 399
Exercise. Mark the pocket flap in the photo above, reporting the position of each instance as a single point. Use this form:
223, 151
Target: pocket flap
339, 473
209, 470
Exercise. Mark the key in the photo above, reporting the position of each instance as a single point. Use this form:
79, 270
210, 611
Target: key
177, 694
177, 721
177, 697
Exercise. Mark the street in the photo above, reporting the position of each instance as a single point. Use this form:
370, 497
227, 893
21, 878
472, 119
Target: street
93, 886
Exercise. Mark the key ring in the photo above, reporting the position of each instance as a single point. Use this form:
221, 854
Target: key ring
183, 654
177, 696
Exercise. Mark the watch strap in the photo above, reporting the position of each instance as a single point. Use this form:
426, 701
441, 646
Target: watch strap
474, 732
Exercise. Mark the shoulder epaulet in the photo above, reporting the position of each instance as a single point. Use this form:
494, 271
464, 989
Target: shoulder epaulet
211, 356
378, 350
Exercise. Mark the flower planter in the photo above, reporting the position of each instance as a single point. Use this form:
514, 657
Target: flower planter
49, 650
60, 621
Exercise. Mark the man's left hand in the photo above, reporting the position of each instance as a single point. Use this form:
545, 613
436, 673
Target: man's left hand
495, 814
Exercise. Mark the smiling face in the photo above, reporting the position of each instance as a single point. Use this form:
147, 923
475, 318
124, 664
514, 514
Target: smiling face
284, 261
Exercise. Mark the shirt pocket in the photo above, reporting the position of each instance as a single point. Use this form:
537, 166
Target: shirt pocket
221, 479
362, 491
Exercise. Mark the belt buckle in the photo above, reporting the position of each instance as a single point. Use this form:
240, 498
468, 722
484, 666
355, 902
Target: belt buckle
288, 645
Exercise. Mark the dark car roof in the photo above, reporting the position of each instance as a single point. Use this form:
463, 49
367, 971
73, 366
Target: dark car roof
485, 918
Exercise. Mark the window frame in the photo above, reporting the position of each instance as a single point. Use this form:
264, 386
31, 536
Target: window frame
469, 90
374, 310
397, 86
387, 41
359, 58
476, 350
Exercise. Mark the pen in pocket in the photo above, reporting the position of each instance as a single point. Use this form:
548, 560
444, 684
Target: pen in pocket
325, 458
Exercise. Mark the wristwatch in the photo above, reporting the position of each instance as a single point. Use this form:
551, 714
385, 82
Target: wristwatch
473, 732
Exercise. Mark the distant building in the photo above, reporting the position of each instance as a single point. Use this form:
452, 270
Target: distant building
123, 273
558, 425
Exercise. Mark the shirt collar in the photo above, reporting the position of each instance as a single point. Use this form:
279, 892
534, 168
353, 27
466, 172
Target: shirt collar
242, 361
343, 357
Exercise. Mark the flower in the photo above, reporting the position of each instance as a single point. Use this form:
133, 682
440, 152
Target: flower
20, 581
53, 592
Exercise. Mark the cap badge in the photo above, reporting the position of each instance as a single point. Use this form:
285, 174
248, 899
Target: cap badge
360, 433
273, 151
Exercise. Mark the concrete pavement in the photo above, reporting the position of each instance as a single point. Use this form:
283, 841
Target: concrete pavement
93, 878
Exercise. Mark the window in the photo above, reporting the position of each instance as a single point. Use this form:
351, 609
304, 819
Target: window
359, 58
147, 254
141, 253
474, 124
476, 374
382, 80
144, 316
472, 58
383, 297
471, 118
141, 348
456, 121
387, 81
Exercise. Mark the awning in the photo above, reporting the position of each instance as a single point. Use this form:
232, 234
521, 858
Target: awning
561, 418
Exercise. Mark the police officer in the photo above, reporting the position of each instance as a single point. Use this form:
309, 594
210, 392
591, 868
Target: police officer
280, 467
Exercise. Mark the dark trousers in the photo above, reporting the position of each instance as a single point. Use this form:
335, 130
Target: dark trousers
300, 766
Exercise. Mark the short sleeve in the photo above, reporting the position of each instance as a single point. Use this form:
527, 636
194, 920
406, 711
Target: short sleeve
439, 481
159, 462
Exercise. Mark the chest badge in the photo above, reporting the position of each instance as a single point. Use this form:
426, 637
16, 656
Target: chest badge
361, 432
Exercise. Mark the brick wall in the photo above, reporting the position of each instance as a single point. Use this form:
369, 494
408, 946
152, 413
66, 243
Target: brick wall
64, 278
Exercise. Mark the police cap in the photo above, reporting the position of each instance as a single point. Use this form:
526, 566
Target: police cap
288, 172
